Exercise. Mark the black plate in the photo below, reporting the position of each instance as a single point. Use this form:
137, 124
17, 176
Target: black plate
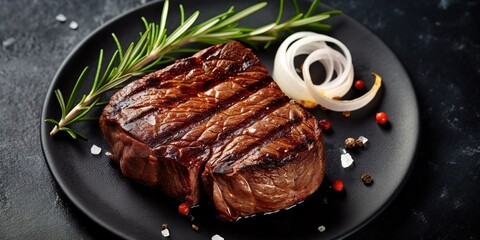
132, 210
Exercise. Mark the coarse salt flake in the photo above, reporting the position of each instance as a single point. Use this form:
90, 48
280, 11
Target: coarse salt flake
217, 237
108, 154
363, 139
73, 25
346, 160
61, 18
321, 228
166, 232
95, 150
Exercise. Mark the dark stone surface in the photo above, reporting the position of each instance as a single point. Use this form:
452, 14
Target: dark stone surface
438, 42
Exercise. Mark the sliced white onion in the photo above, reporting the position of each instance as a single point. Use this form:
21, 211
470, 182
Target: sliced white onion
284, 72
336, 63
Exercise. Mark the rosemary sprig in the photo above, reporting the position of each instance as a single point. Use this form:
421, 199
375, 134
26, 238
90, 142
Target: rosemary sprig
155, 46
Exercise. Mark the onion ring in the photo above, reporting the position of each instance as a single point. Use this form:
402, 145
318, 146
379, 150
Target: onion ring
338, 67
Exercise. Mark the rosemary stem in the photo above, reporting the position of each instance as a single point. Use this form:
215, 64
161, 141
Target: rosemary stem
158, 52
152, 56
73, 113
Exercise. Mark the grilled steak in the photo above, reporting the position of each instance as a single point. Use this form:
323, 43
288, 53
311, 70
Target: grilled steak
216, 122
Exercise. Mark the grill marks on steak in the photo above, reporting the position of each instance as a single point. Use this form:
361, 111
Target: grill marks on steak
257, 173
218, 115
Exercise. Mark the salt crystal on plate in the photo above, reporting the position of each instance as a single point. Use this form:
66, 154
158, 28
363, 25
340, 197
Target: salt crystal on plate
346, 159
166, 232
108, 154
61, 18
95, 150
217, 237
321, 228
363, 139
73, 25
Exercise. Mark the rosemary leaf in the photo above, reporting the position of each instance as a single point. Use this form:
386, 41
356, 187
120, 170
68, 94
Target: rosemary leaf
119, 46
182, 14
52, 121
263, 29
88, 119
97, 73
110, 68
241, 14
163, 20
184, 27
79, 82
205, 27
309, 20
61, 102
296, 7
262, 38
280, 12
312, 8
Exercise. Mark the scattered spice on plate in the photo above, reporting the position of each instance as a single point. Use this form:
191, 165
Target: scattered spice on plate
184, 209
358, 143
345, 158
359, 84
165, 232
195, 227
381, 117
325, 124
217, 237
73, 25
95, 150
350, 142
367, 179
363, 139
337, 185
164, 226
346, 114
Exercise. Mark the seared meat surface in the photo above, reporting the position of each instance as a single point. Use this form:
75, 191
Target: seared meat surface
216, 123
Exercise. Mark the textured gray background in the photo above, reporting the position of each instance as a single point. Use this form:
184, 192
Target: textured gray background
437, 41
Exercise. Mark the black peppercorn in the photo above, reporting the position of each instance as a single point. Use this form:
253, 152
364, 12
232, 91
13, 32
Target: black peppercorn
349, 142
195, 227
359, 143
367, 179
